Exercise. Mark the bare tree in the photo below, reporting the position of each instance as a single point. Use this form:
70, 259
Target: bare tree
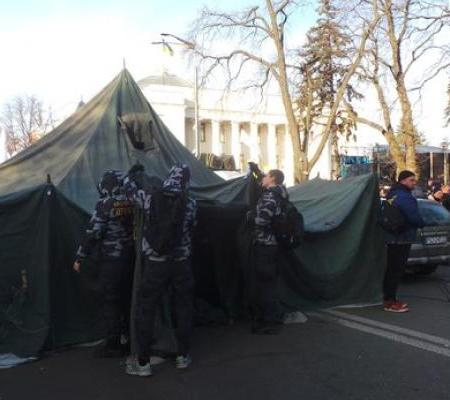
410, 34
256, 38
24, 120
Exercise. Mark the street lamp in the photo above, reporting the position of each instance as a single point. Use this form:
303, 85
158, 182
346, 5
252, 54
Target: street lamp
188, 45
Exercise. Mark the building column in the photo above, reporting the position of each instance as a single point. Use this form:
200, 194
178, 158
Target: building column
236, 143
216, 145
272, 145
288, 155
254, 143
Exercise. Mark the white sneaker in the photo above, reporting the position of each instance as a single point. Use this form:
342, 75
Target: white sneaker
156, 360
132, 367
182, 362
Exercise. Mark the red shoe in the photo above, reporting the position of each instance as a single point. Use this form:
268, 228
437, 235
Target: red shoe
395, 307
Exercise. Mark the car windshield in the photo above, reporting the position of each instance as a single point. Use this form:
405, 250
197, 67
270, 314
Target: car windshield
434, 213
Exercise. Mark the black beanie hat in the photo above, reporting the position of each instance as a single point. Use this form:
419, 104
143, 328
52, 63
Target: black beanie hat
404, 175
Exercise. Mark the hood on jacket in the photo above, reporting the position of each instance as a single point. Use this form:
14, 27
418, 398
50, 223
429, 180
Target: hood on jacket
178, 179
279, 190
110, 183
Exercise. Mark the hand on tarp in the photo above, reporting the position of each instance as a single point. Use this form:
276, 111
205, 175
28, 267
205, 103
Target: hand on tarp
250, 218
135, 174
77, 266
136, 168
254, 169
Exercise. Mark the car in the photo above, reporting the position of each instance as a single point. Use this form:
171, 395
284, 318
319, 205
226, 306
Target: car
432, 245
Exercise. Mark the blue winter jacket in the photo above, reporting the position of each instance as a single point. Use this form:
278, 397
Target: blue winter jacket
409, 208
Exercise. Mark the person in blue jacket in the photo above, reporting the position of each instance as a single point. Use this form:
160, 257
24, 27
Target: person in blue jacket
399, 244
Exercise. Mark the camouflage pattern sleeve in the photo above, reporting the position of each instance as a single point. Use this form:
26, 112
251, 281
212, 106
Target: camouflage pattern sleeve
96, 229
265, 210
193, 214
184, 250
133, 193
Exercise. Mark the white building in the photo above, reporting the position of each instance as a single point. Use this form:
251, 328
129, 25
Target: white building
246, 126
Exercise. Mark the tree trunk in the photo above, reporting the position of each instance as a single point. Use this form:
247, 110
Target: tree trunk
407, 124
335, 157
293, 128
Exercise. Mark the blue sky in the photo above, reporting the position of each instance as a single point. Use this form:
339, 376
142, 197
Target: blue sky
62, 50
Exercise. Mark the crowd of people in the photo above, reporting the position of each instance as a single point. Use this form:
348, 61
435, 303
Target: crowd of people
169, 216
435, 190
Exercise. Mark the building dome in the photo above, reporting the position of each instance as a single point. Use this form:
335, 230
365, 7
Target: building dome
165, 79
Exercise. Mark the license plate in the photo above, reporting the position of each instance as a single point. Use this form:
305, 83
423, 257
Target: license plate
432, 240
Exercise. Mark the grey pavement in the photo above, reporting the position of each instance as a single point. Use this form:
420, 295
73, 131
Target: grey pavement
355, 354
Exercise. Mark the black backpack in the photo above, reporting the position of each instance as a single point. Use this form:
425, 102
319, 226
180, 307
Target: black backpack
165, 226
392, 219
288, 227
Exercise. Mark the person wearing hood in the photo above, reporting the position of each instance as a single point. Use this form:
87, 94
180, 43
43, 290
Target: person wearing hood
267, 316
399, 243
111, 231
169, 219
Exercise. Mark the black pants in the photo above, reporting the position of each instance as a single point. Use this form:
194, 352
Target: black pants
397, 256
265, 301
116, 277
155, 280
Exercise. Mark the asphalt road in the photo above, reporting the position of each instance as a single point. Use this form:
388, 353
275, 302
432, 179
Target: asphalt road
338, 354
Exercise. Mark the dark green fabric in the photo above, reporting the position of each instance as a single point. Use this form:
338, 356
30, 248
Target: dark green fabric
341, 265
325, 204
83, 147
39, 232
341, 261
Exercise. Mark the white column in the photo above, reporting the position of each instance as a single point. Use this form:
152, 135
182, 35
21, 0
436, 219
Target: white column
288, 154
236, 143
216, 145
254, 143
272, 145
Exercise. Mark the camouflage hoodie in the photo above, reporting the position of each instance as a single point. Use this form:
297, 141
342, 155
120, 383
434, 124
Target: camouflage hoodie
177, 181
267, 207
111, 224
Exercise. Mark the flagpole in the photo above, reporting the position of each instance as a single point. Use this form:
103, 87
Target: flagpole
197, 126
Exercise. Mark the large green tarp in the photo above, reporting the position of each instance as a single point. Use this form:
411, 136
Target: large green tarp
342, 259
44, 304
340, 262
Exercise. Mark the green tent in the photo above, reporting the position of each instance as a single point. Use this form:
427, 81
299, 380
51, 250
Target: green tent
43, 304
114, 130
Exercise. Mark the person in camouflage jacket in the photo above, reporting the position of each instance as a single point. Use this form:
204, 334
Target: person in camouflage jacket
110, 230
160, 271
265, 303
177, 181
268, 207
